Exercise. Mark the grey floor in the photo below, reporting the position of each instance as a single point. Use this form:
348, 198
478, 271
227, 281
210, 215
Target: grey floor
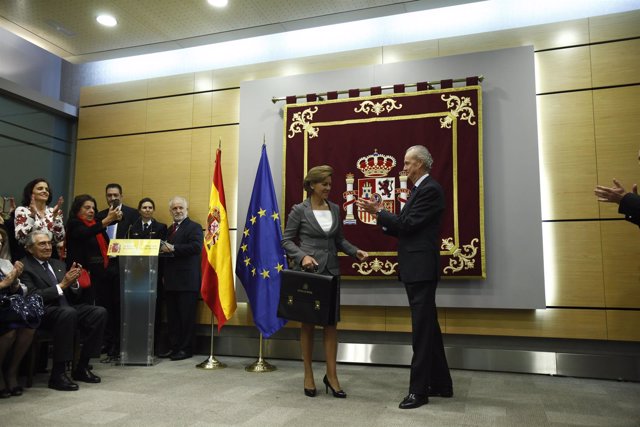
178, 394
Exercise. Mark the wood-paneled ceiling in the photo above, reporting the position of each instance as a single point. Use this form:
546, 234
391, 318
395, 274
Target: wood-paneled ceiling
68, 29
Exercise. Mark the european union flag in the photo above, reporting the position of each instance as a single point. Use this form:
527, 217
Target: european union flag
261, 258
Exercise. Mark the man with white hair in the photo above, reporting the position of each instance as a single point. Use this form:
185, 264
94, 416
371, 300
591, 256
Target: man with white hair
417, 228
64, 313
181, 278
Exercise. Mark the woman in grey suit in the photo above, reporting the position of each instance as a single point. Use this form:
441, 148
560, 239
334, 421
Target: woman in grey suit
316, 225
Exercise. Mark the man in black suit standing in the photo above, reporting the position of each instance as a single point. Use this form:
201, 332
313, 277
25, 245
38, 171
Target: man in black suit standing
64, 316
109, 296
182, 248
417, 228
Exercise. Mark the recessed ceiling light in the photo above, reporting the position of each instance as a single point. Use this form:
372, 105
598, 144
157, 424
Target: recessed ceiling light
218, 3
107, 20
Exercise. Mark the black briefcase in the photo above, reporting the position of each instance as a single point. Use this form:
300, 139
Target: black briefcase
308, 297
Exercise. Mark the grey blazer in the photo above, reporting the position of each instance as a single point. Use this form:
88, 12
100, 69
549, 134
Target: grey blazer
313, 240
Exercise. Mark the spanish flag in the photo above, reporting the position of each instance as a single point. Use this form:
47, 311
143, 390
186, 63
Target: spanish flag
217, 274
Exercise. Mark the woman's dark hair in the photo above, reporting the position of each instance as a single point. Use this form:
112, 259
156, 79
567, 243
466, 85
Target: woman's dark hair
28, 191
78, 202
146, 199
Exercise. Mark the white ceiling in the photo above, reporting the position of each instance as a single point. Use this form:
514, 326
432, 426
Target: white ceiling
67, 28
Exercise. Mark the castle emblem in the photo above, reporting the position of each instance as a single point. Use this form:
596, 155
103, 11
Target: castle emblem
213, 227
376, 184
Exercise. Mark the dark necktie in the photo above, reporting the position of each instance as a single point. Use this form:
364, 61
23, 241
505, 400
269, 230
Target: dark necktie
413, 189
145, 228
54, 282
174, 228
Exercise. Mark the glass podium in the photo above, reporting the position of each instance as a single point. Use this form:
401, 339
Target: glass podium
138, 293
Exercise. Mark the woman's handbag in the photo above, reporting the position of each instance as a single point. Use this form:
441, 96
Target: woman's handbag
308, 297
30, 308
85, 279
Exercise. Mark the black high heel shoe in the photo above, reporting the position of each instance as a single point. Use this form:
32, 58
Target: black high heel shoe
310, 392
340, 393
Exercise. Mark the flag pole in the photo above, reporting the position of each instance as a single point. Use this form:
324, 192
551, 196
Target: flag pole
260, 365
211, 362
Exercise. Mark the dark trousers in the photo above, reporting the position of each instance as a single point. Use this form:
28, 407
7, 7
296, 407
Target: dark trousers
429, 364
181, 316
107, 294
64, 321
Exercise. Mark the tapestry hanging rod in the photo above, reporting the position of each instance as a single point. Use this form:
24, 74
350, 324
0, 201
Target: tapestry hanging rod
382, 88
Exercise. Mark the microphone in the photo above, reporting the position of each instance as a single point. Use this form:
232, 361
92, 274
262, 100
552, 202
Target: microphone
130, 225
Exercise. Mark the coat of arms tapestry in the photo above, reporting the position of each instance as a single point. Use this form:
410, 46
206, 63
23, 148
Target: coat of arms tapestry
364, 139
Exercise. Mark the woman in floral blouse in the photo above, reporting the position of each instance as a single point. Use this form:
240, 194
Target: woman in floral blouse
35, 213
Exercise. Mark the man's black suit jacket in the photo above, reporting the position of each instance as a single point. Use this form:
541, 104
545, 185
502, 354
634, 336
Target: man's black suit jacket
182, 270
417, 228
129, 216
630, 208
36, 280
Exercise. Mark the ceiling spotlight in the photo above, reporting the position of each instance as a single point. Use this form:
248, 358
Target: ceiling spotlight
218, 3
107, 20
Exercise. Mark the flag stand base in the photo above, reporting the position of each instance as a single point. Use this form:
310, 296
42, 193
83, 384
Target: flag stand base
211, 363
260, 365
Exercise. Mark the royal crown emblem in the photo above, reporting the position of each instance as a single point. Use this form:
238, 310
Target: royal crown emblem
376, 165
376, 184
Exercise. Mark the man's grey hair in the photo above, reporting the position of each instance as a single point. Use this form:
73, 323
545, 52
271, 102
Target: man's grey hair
421, 153
31, 237
178, 199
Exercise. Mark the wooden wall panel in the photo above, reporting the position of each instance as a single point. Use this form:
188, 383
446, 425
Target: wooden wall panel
202, 103
398, 319
614, 27
203, 154
203, 80
568, 156
568, 33
171, 85
117, 92
573, 264
622, 325
616, 63
232, 76
110, 120
225, 107
410, 51
167, 169
175, 112
617, 131
229, 136
563, 69
621, 263
549, 323
358, 318
102, 161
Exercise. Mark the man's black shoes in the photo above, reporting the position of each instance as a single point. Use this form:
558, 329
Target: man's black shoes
86, 376
413, 400
62, 382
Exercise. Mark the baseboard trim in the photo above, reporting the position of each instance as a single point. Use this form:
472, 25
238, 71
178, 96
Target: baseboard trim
612, 367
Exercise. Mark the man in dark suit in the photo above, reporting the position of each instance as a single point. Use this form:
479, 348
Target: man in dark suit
109, 296
64, 316
182, 248
628, 202
417, 228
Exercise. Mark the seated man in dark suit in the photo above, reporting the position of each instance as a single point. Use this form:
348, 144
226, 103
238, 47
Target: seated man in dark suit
63, 316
